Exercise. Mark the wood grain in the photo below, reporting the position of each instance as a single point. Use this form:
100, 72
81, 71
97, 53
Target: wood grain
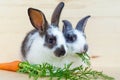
102, 30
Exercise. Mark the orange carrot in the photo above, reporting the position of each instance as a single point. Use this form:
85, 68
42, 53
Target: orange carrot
14, 66
10, 66
94, 56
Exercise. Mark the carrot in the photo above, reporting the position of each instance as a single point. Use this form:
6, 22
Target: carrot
94, 56
14, 65
10, 66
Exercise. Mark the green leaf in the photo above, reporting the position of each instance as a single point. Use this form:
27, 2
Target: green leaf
66, 73
85, 58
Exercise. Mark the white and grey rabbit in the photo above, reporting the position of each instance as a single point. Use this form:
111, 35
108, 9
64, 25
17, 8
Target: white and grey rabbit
75, 40
46, 43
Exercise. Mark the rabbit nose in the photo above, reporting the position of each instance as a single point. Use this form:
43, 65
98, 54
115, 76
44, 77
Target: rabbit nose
85, 48
60, 51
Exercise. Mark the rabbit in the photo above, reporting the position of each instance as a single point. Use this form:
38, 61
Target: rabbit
75, 40
45, 43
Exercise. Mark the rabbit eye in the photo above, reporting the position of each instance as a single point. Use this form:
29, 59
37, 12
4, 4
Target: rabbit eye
71, 38
50, 41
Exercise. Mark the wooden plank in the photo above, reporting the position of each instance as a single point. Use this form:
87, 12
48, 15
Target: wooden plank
102, 29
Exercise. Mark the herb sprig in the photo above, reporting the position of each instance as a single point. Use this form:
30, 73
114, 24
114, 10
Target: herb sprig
66, 73
85, 58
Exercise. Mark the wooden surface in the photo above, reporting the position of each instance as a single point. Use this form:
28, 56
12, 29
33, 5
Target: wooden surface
102, 30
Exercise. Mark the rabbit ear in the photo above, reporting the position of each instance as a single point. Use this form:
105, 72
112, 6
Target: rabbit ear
37, 19
67, 26
56, 14
82, 23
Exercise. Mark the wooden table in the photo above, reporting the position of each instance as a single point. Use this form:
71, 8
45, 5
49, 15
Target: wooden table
102, 30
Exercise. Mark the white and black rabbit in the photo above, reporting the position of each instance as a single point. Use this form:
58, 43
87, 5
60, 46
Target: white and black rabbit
46, 43
75, 40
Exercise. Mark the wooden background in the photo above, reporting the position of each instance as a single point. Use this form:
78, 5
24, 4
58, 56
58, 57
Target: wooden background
102, 30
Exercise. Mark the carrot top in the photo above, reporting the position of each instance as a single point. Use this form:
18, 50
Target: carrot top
50, 71
78, 73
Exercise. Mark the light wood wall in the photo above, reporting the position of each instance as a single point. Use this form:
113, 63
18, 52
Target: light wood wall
102, 29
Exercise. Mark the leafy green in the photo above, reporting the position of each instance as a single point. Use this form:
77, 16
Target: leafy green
66, 73
85, 58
